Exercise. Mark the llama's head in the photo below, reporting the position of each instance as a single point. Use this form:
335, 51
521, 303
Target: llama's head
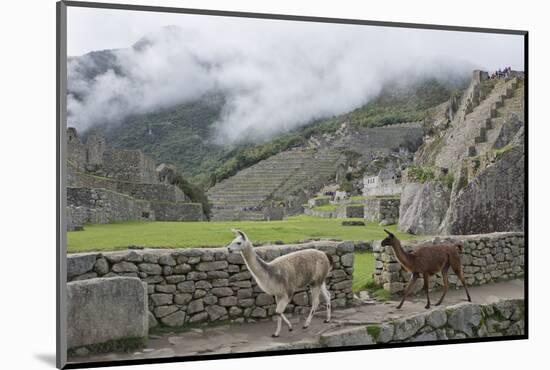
239, 242
389, 239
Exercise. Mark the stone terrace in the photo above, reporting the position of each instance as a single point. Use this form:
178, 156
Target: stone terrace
243, 196
107, 185
478, 128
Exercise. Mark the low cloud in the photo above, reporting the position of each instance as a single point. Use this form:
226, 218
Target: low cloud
273, 78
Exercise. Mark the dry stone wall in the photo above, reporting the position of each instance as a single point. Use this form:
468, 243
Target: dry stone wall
188, 286
486, 258
129, 165
382, 209
101, 206
156, 192
177, 211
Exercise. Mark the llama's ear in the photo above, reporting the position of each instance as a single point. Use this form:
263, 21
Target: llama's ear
387, 232
239, 232
243, 235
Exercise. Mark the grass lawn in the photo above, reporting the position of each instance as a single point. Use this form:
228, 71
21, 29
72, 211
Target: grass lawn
118, 236
363, 268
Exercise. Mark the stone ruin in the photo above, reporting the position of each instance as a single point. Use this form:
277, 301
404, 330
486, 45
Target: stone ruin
482, 152
386, 182
106, 185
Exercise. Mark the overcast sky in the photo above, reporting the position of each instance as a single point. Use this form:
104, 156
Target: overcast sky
277, 73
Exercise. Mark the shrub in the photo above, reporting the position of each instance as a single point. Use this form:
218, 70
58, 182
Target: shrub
421, 174
353, 223
196, 194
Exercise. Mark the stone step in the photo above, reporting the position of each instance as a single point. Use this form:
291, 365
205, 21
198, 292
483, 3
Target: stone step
234, 215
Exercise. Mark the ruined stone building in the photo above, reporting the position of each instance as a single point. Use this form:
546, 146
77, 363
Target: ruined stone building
386, 183
106, 185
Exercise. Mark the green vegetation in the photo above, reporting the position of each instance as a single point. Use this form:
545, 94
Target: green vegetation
346, 186
421, 173
398, 103
326, 208
424, 174
448, 180
119, 236
374, 331
381, 295
500, 151
322, 197
196, 194
363, 268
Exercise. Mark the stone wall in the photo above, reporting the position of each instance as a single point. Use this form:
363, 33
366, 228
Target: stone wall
382, 209
76, 151
187, 286
129, 165
101, 206
156, 192
486, 258
350, 211
176, 211
319, 213
464, 320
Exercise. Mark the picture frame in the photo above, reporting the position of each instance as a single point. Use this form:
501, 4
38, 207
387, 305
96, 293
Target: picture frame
343, 335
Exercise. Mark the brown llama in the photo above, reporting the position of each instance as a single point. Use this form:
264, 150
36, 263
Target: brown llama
428, 261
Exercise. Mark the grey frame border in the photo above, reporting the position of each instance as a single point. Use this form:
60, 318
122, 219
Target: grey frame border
61, 194
61, 110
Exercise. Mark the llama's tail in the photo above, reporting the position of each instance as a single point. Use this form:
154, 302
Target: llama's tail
460, 247
330, 261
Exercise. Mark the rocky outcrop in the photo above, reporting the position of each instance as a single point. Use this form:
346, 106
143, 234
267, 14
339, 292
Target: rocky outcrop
106, 313
493, 201
423, 207
481, 153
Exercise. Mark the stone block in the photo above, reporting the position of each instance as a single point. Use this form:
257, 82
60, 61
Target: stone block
80, 264
106, 309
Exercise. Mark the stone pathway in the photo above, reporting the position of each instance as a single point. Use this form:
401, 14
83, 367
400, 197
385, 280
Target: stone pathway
251, 337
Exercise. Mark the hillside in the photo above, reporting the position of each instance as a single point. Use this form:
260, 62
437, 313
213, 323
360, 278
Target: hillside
184, 134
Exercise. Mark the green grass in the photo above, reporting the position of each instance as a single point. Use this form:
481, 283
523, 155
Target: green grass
381, 294
363, 268
118, 236
326, 208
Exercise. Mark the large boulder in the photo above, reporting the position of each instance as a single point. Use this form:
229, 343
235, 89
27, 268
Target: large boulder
493, 201
106, 310
423, 207
80, 263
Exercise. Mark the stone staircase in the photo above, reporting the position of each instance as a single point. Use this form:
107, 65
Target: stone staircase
243, 196
508, 97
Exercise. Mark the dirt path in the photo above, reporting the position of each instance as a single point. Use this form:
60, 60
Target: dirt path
252, 337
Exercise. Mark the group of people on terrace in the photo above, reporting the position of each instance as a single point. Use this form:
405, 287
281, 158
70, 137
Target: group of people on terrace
502, 73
